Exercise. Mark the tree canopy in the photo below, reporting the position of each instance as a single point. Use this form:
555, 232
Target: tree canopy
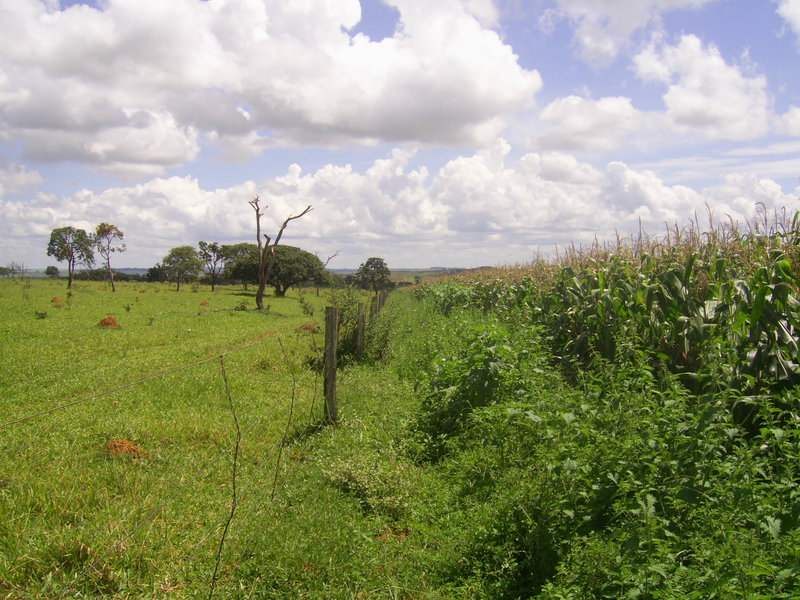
182, 264
73, 246
374, 275
293, 266
241, 262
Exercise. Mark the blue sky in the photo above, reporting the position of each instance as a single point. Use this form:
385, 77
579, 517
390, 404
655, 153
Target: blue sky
458, 133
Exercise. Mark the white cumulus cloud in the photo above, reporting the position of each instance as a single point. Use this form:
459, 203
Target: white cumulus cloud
790, 11
15, 177
705, 95
604, 27
133, 88
574, 123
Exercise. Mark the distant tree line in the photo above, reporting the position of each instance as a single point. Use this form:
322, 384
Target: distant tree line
263, 263
215, 264
210, 263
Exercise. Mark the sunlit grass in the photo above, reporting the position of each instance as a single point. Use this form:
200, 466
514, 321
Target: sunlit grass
76, 519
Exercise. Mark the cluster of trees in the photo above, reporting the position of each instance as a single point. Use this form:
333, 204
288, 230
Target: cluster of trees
215, 262
77, 247
240, 263
12, 269
263, 263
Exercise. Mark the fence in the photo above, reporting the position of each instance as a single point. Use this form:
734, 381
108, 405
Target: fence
157, 470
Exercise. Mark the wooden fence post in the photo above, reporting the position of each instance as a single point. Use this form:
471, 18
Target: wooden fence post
331, 341
360, 331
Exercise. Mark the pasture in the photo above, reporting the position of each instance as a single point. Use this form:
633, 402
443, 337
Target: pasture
117, 444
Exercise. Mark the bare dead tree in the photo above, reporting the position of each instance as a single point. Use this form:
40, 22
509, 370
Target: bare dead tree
330, 258
325, 266
266, 248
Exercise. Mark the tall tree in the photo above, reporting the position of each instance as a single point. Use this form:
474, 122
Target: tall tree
374, 274
266, 250
213, 255
106, 235
73, 246
182, 264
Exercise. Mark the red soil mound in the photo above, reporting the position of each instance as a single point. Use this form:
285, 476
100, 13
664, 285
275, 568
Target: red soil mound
55, 300
204, 303
394, 534
117, 447
308, 327
108, 322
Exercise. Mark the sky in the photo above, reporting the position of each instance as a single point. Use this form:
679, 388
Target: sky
455, 133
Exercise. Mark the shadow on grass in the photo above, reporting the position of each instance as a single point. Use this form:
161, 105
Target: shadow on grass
305, 432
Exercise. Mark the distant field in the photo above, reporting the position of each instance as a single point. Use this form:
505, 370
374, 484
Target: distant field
127, 490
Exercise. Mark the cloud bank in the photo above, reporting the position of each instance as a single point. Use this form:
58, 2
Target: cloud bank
472, 210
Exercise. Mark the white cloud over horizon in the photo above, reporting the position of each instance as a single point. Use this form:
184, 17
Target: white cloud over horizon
496, 205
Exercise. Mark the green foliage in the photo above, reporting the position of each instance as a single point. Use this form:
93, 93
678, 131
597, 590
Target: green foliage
346, 300
659, 467
78, 522
485, 368
616, 428
712, 317
181, 264
378, 481
241, 262
73, 246
294, 266
106, 235
373, 275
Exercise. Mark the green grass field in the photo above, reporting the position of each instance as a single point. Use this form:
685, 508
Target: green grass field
77, 520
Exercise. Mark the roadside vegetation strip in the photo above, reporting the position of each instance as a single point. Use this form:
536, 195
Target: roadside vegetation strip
490, 472
552, 442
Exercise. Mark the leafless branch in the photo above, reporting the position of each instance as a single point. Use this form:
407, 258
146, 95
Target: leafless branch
330, 258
